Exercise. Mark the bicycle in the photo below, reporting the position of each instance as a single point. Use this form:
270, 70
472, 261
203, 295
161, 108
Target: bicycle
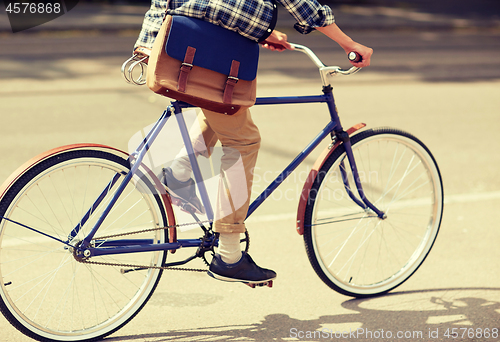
85, 229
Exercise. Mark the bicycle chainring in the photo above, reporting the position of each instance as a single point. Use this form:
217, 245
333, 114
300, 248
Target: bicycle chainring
245, 241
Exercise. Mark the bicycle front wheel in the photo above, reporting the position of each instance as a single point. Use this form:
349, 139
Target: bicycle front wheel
351, 249
45, 292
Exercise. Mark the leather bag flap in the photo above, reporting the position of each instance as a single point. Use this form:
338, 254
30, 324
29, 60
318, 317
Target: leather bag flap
215, 46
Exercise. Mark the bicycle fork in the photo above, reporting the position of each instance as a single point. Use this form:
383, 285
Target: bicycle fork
343, 136
364, 202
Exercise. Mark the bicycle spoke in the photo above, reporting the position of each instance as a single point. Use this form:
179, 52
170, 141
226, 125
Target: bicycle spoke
51, 292
356, 252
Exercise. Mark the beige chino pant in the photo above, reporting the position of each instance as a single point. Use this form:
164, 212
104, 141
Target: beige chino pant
240, 139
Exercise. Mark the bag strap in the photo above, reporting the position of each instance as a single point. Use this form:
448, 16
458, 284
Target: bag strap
186, 67
232, 79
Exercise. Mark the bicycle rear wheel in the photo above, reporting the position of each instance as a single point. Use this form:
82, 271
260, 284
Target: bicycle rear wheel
351, 249
44, 291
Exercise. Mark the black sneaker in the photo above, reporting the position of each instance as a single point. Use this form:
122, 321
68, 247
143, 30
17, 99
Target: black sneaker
245, 271
183, 192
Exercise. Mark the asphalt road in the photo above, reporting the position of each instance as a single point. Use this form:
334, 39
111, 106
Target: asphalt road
441, 86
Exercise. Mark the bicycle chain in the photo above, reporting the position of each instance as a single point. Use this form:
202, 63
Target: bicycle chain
85, 261
150, 230
143, 266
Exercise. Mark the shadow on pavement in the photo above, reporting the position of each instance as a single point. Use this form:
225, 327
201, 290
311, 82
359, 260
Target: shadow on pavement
425, 314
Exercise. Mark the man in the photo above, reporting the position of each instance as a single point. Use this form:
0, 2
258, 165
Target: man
240, 139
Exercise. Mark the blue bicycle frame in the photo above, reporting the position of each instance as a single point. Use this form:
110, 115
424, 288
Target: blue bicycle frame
333, 128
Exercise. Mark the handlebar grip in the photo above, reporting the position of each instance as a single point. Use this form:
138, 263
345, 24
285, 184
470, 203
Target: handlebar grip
354, 57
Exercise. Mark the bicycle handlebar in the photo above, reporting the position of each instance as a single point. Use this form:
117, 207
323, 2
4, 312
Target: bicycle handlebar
137, 60
324, 70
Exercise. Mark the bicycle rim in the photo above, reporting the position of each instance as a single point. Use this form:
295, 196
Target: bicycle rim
45, 292
352, 250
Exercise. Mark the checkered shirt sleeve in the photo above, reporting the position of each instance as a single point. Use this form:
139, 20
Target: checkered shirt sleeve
151, 24
250, 18
309, 14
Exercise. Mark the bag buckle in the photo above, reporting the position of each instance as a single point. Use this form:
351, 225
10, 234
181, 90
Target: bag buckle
232, 78
190, 66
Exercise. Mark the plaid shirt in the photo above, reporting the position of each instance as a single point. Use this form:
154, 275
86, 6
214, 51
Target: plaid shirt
250, 18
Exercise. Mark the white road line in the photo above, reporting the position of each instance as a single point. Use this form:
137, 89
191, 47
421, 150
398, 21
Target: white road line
472, 197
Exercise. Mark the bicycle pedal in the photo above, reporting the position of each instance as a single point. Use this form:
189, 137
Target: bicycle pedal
188, 208
183, 205
266, 283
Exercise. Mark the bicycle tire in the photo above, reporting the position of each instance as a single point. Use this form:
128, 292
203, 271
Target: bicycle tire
352, 250
45, 292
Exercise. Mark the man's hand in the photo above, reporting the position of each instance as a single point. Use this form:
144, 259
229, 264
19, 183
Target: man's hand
335, 33
277, 41
142, 52
364, 51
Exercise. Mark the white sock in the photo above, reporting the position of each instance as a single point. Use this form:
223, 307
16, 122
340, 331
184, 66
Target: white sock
229, 247
181, 167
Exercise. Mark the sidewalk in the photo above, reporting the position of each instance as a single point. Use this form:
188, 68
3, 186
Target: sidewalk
115, 18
